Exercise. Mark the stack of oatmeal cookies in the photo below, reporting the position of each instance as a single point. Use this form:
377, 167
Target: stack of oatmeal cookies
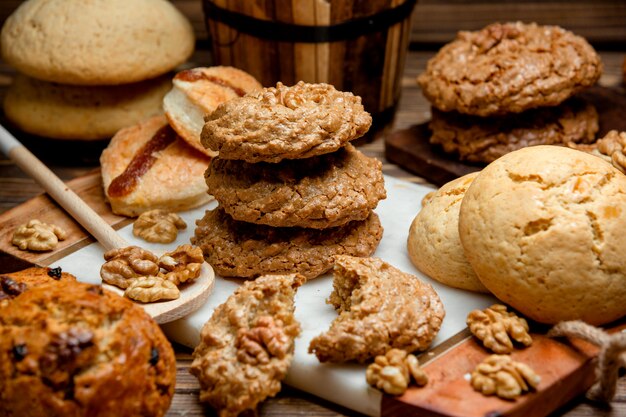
292, 191
509, 86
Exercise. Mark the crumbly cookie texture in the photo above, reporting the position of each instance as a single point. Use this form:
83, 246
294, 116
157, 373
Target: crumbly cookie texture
434, 245
74, 349
509, 68
283, 122
479, 139
245, 250
247, 346
380, 308
543, 228
319, 192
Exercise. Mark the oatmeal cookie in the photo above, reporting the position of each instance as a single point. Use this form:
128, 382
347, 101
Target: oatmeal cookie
245, 250
283, 122
480, 139
380, 308
509, 68
247, 345
319, 192
74, 349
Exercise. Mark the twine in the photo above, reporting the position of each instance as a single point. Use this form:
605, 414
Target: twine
612, 355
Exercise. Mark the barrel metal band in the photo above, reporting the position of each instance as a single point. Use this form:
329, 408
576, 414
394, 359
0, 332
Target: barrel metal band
288, 32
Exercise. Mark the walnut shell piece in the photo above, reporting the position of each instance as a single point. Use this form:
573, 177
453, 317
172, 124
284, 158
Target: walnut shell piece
495, 327
500, 375
158, 226
38, 236
393, 371
124, 265
151, 289
182, 265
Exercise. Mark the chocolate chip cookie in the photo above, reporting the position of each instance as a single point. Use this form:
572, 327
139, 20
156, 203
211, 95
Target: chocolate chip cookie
319, 192
509, 68
283, 122
484, 139
246, 250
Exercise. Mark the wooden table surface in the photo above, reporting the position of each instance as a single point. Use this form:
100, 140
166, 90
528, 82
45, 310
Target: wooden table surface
71, 161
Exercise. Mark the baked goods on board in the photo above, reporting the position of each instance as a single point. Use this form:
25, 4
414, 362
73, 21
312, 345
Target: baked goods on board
434, 244
247, 250
247, 346
81, 112
284, 122
70, 348
147, 166
99, 42
508, 68
543, 228
319, 192
380, 308
197, 92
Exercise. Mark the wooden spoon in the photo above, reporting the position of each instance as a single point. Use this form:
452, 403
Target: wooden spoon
192, 296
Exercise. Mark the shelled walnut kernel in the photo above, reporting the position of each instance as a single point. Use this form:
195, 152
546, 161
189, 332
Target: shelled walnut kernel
495, 327
258, 344
393, 371
182, 265
124, 265
151, 289
38, 236
500, 375
158, 226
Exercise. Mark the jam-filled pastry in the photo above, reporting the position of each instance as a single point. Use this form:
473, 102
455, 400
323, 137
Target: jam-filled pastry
197, 92
147, 166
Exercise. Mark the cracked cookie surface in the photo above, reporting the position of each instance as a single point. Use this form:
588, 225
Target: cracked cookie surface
380, 308
319, 192
283, 122
246, 250
247, 345
509, 68
479, 139
74, 349
543, 228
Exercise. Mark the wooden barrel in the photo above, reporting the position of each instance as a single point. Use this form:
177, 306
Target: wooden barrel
355, 45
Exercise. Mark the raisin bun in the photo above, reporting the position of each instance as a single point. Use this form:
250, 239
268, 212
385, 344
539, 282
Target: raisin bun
74, 349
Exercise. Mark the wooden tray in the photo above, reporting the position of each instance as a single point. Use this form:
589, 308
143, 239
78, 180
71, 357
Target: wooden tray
566, 369
410, 148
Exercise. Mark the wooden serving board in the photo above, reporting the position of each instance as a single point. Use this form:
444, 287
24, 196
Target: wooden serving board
566, 370
410, 148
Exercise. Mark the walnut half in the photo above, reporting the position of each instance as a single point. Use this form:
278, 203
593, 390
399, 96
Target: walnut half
38, 236
500, 375
158, 226
495, 327
151, 289
124, 265
393, 371
183, 264
265, 340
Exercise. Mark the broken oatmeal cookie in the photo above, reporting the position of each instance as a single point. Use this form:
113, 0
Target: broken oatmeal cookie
380, 308
247, 345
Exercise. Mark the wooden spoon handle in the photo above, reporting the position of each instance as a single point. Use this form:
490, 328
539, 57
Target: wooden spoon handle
60, 192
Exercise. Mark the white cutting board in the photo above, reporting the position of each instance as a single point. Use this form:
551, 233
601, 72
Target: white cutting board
341, 384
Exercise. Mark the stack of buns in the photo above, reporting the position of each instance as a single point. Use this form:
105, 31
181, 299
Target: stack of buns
509, 86
157, 163
292, 191
88, 69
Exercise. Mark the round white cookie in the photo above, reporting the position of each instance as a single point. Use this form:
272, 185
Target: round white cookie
434, 245
96, 42
543, 227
